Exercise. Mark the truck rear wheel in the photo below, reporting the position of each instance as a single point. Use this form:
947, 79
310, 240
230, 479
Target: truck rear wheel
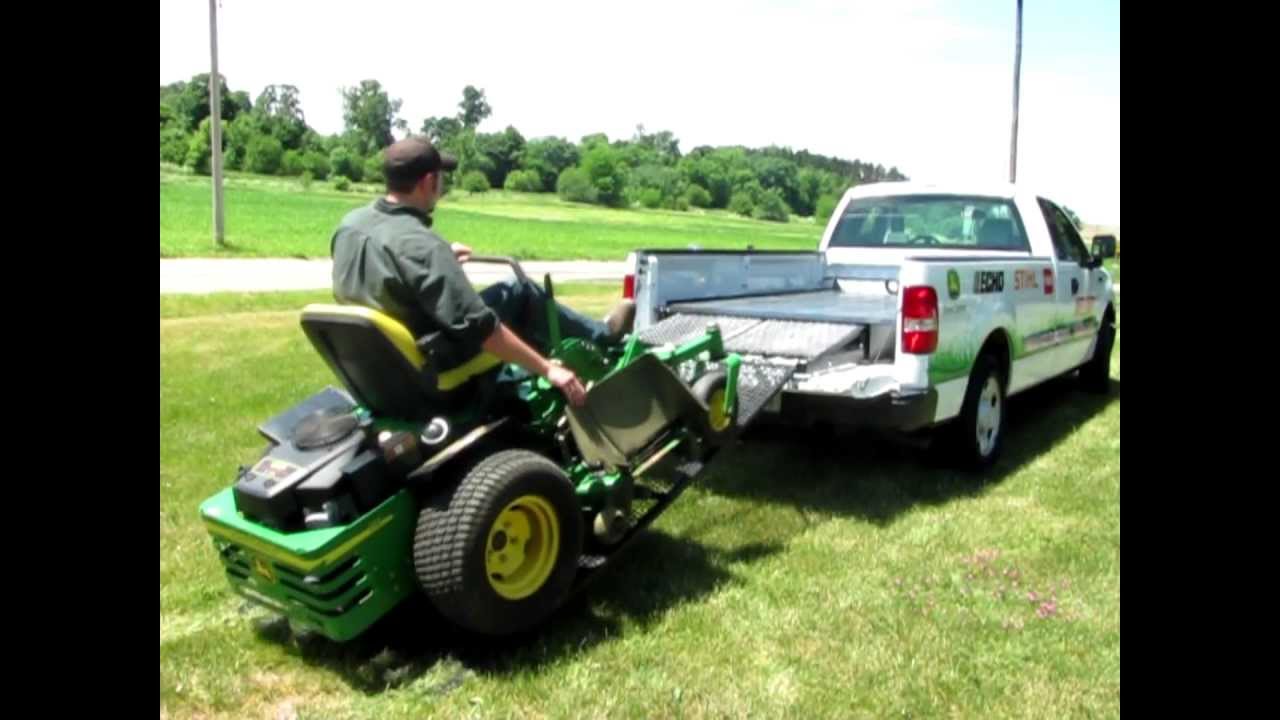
497, 553
1095, 375
976, 437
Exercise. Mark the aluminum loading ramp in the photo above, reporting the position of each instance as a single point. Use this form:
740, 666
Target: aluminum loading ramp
772, 348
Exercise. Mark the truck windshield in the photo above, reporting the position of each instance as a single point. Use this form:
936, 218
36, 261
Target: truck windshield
924, 221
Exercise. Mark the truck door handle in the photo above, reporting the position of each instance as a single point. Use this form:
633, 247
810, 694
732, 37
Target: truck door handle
1075, 285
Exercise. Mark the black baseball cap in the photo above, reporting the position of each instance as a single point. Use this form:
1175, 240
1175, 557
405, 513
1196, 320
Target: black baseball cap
413, 157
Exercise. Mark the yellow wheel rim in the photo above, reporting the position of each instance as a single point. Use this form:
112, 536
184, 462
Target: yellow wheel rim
521, 549
719, 419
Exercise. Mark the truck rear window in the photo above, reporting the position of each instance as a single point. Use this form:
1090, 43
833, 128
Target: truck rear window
924, 221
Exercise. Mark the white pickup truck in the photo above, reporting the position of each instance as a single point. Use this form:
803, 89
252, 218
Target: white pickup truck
924, 307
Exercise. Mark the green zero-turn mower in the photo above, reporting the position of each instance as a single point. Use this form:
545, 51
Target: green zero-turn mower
477, 486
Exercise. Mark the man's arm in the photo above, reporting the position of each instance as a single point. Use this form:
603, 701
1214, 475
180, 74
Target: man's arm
510, 348
447, 296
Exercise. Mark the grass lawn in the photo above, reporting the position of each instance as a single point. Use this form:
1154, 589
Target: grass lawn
804, 576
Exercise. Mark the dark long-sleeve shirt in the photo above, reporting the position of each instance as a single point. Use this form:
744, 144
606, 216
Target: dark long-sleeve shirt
387, 257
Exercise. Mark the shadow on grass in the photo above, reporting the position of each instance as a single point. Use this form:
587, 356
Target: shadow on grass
877, 477
658, 572
860, 476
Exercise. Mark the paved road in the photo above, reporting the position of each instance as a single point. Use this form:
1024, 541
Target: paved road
199, 276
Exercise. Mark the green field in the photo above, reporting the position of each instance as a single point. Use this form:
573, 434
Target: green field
275, 217
805, 576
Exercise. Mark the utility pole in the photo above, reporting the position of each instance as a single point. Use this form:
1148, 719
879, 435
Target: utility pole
215, 123
1017, 67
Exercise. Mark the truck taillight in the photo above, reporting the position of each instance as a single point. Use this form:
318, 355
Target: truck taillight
919, 320
629, 279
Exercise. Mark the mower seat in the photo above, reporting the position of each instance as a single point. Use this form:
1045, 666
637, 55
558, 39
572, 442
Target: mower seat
381, 365
627, 411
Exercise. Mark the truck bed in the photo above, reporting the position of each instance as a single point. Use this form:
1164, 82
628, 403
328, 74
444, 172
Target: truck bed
826, 306
777, 334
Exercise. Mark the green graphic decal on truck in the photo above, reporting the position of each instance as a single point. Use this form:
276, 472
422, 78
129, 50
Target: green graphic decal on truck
952, 362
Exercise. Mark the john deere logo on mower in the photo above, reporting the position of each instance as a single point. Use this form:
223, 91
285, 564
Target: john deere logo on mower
953, 284
263, 568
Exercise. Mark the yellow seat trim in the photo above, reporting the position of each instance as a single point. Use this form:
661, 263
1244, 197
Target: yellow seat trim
400, 337
479, 364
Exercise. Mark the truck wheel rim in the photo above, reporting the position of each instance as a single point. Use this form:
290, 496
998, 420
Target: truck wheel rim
716, 416
522, 546
989, 416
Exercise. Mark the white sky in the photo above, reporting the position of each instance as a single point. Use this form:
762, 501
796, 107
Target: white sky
925, 85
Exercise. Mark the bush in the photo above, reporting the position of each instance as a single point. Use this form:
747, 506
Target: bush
697, 196
316, 164
345, 163
475, 181
651, 197
342, 183
771, 206
826, 206
174, 144
524, 181
607, 171
306, 180
373, 171
742, 203
292, 164
233, 158
263, 155
200, 148
235, 143
574, 186
549, 157
475, 164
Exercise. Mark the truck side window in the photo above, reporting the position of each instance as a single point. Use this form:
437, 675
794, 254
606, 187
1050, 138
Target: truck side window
1073, 238
1067, 244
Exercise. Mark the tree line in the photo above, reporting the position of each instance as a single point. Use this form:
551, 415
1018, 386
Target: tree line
270, 136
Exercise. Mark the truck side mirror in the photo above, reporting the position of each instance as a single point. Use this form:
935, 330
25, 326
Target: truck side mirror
1104, 246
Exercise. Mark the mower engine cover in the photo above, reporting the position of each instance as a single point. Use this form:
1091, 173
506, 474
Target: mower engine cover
315, 473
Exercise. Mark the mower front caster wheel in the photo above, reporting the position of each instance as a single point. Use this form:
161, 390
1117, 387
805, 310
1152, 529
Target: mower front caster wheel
718, 424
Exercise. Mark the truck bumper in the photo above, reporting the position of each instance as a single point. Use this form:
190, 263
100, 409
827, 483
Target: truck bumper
904, 411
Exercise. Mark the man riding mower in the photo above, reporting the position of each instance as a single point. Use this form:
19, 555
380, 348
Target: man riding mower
478, 485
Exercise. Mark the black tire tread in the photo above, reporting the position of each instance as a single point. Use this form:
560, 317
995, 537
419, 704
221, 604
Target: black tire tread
1095, 375
960, 443
450, 520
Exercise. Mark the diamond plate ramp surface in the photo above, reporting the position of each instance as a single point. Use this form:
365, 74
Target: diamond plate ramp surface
799, 339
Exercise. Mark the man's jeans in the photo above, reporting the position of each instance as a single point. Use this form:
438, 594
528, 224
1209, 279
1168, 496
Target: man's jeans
521, 306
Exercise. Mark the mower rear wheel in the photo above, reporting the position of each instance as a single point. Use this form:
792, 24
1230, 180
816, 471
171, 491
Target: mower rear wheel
497, 553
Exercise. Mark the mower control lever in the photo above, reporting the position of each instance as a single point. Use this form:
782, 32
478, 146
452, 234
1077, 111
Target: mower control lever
500, 260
